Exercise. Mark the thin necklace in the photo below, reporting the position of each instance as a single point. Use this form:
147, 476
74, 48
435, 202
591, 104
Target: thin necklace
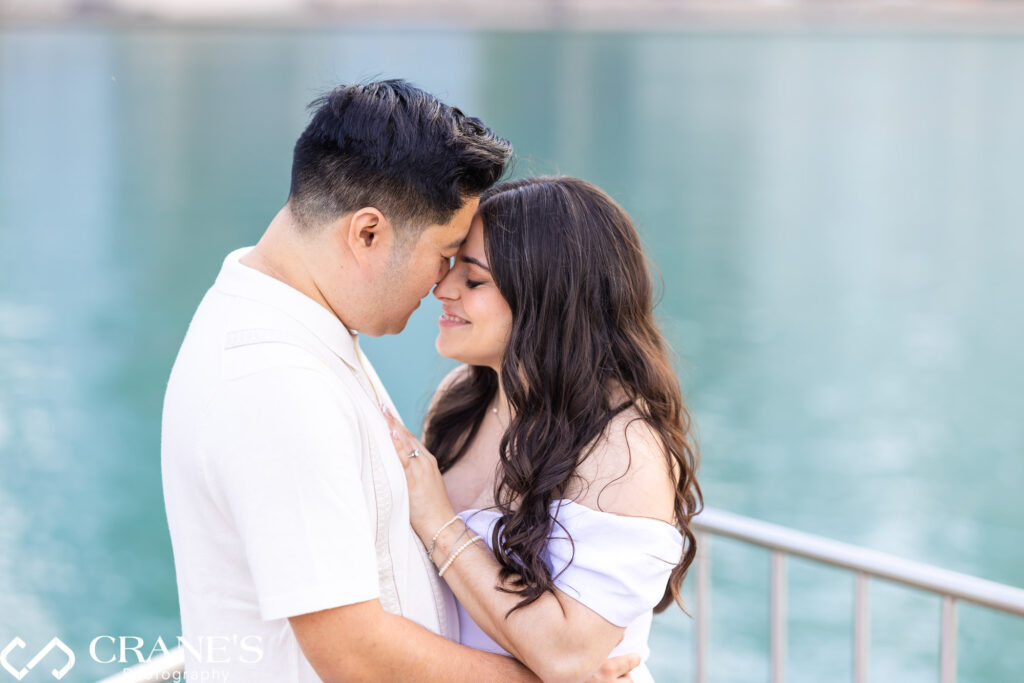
494, 409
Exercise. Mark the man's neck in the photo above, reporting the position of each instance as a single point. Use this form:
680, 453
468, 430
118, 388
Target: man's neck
279, 255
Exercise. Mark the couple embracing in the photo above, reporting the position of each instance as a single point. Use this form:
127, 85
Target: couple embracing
541, 517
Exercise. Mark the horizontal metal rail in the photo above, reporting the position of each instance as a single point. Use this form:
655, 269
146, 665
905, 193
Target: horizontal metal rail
863, 562
917, 574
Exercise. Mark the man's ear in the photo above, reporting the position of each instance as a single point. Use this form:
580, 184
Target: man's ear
368, 234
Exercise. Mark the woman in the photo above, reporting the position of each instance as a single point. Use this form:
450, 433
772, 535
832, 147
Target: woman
562, 442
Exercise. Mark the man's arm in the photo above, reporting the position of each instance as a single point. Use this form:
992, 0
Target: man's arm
363, 642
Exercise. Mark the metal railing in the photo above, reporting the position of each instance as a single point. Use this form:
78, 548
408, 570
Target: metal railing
782, 541
865, 563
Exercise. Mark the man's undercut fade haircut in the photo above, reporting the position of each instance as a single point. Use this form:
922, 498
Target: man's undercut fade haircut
394, 147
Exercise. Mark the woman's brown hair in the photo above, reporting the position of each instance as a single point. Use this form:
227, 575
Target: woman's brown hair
571, 266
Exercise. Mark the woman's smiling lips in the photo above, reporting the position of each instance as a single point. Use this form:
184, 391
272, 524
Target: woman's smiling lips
451, 320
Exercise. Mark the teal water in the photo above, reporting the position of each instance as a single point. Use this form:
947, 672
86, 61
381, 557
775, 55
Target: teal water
837, 222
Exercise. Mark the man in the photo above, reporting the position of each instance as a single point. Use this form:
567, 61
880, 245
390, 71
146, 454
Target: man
288, 511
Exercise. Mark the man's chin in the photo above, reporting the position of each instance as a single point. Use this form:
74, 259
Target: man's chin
399, 326
385, 328
393, 326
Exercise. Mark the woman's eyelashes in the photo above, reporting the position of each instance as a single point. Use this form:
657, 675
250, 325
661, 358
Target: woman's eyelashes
472, 284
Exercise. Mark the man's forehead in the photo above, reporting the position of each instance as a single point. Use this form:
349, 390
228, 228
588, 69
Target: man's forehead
453, 234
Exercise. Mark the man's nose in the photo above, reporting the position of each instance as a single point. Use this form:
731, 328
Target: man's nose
446, 267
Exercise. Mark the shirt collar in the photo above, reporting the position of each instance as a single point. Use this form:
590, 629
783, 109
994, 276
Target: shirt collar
237, 279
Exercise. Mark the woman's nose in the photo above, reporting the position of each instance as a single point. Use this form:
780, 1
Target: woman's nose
446, 289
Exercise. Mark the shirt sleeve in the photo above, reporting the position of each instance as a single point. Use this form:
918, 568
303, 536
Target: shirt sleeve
283, 455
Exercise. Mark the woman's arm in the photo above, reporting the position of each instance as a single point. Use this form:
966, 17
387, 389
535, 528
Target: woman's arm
556, 636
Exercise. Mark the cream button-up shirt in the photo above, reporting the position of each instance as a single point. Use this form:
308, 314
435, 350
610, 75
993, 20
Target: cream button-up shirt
283, 491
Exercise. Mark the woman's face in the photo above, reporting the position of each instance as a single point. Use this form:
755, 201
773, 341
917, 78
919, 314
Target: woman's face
476, 322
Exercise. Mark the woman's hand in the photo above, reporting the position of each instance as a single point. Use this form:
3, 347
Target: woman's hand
429, 506
616, 669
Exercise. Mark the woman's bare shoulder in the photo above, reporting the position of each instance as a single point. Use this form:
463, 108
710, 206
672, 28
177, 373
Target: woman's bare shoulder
451, 378
627, 472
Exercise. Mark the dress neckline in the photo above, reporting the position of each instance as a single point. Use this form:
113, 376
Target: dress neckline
565, 502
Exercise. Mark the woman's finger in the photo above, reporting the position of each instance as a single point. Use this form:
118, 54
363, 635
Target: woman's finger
405, 443
398, 430
392, 421
401, 434
620, 666
402, 444
400, 438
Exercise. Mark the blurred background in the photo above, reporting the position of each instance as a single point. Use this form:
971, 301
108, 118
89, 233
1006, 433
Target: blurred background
830, 193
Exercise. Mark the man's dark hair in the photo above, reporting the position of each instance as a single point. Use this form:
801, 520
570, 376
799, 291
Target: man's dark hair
396, 148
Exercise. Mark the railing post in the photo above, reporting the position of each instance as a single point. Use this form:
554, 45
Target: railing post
703, 600
947, 643
861, 628
778, 616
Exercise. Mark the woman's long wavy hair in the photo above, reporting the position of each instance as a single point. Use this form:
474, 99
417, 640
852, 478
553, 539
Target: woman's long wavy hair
583, 347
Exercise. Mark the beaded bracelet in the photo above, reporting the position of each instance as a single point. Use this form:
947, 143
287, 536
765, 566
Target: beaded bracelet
465, 530
430, 553
450, 560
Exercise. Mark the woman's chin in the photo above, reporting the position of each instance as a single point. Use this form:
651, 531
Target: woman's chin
443, 348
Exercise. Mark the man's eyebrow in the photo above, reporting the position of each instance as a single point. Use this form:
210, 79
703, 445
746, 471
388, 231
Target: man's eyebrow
456, 244
475, 262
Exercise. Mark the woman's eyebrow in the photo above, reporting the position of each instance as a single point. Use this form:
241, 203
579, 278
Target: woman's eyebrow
475, 262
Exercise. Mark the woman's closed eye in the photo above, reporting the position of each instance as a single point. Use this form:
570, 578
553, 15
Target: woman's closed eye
473, 284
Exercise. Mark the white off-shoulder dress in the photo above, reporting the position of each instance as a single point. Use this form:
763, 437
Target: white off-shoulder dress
617, 566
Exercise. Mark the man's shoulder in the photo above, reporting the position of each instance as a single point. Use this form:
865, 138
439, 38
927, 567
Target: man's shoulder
221, 310
243, 327
232, 338
248, 350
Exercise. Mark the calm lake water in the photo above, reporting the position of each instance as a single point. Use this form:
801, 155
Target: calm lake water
837, 222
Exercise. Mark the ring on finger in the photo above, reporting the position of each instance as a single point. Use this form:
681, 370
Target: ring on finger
415, 453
